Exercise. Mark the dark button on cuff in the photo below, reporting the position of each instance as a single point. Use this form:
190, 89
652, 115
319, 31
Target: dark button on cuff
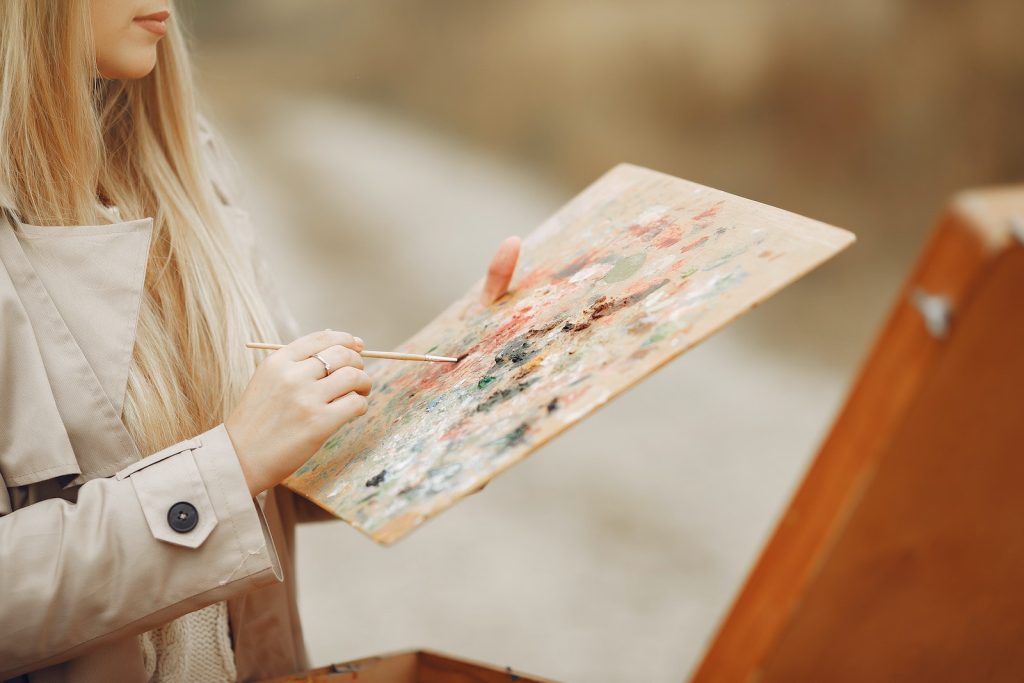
183, 517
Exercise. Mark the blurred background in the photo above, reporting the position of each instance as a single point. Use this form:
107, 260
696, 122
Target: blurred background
387, 147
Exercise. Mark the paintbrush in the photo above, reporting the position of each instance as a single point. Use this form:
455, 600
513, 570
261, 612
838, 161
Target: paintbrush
387, 355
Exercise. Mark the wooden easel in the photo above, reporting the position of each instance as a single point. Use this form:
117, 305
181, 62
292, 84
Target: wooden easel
901, 556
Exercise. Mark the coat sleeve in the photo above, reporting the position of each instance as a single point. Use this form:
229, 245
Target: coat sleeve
167, 535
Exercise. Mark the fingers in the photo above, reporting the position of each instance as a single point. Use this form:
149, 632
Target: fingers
348, 407
502, 267
342, 381
304, 347
337, 356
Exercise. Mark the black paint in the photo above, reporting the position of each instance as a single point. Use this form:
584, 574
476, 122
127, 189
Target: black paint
501, 396
516, 436
575, 327
516, 352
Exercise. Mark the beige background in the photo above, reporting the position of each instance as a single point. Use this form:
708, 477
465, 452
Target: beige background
389, 146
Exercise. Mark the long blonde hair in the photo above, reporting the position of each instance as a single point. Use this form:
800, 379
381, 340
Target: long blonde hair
69, 139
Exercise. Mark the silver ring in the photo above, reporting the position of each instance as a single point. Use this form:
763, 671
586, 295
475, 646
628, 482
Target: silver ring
327, 366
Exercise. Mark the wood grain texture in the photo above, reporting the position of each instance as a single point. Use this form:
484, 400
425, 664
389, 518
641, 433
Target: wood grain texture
897, 558
631, 273
419, 666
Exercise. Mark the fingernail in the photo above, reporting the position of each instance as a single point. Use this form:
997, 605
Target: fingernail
359, 340
327, 329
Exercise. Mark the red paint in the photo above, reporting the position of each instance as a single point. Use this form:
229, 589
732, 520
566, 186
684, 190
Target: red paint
455, 431
693, 245
642, 230
669, 237
708, 213
513, 324
648, 231
571, 396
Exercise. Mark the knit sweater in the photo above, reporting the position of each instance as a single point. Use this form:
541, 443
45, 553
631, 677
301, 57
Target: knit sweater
194, 647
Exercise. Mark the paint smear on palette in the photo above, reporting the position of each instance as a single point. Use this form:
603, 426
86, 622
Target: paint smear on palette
633, 271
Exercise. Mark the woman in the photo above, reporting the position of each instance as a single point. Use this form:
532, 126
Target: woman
142, 532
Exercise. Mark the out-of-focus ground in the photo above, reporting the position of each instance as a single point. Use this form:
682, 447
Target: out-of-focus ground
389, 146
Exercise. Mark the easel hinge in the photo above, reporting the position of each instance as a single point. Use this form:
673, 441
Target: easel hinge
935, 309
1017, 227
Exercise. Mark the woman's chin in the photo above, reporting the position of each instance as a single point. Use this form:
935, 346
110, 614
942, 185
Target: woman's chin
128, 68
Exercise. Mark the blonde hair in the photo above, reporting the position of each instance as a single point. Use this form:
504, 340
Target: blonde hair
69, 139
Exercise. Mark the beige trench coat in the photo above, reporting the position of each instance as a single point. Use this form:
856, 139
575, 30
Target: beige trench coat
88, 554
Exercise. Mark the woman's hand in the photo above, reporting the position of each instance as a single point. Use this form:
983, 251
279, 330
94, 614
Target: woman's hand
289, 408
499, 275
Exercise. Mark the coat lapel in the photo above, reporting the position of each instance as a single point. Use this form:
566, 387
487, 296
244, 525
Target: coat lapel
69, 332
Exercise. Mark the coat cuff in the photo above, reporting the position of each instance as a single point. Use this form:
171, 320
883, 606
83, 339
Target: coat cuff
218, 461
192, 488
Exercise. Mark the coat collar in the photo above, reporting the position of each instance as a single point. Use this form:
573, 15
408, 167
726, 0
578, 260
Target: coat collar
68, 337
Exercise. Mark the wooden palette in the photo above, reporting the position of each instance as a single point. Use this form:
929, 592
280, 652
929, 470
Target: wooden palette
632, 272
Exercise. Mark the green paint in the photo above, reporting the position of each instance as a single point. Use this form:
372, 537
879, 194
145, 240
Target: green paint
625, 267
485, 381
660, 332
688, 273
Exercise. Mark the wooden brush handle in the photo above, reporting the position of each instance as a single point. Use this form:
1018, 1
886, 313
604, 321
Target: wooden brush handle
387, 355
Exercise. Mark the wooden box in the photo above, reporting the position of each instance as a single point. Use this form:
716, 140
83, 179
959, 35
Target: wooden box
414, 666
